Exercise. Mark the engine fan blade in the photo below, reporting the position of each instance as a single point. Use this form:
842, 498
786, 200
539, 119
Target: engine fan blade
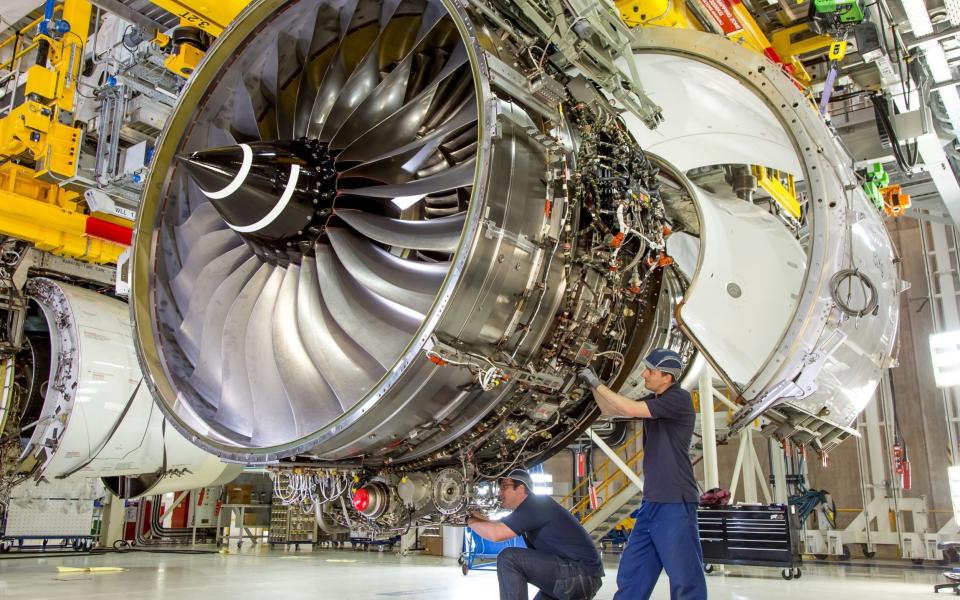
409, 283
441, 235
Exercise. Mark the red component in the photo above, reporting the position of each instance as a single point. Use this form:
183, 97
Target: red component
898, 459
594, 503
548, 208
436, 360
361, 499
216, 510
105, 230
772, 55
901, 465
666, 230
181, 514
722, 15
581, 464
617, 240
201, 496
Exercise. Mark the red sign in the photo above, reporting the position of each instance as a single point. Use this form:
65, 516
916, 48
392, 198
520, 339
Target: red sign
722, 15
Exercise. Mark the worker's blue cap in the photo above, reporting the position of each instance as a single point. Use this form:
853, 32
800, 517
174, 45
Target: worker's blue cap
521, 476
666, 361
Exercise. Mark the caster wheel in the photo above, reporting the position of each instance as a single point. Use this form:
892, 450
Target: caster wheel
797, 573
464, 568
786, 574
820, 556
708, 568
846, 553
917, 561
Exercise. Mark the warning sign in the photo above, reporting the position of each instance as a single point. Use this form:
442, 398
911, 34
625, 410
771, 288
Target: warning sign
722, 15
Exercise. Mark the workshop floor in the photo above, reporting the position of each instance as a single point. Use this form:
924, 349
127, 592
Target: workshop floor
357, 575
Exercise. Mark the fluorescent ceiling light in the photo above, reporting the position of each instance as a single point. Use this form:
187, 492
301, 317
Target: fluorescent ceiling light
951, 101
937, 61
918, 16
953, 476
945, 347
953, 11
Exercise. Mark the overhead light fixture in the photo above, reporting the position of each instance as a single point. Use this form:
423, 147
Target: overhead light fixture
953, 11
951, 102
937, 60
953, 477
945, 350
918, 16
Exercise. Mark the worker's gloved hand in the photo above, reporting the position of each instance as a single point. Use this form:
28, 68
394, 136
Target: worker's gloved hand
587, 376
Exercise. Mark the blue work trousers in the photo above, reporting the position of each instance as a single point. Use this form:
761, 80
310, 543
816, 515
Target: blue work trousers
665, 536
557, 578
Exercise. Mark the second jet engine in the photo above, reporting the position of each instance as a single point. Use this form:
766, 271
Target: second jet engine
76, 406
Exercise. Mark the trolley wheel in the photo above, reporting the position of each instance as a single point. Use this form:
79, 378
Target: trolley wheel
846, 553
917, 561
707, 568
866, 551
786, 574
464, 568
820, 556
797, 573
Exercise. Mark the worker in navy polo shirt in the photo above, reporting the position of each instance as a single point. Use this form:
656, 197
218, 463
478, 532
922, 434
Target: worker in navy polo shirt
560, 558
665, 535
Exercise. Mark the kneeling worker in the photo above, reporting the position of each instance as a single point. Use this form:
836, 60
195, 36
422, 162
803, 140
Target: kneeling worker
560, 558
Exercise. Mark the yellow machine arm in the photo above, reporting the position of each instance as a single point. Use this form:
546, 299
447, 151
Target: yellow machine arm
41, 132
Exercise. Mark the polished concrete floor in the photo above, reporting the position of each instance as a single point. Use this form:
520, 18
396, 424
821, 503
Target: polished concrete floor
356, 575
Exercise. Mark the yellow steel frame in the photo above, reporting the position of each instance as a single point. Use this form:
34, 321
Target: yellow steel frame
664, 13
781, 188
42, 127
48, 216
185, 61
784, 44
16, 38
33, 207
669, 13
611, 479
212, 17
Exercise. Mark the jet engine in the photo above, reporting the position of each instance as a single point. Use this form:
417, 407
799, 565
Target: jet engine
380, 238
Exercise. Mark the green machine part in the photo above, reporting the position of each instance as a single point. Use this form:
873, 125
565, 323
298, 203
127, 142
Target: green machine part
875, 179
846, 11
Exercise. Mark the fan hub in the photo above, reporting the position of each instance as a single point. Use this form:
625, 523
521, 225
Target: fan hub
272, 193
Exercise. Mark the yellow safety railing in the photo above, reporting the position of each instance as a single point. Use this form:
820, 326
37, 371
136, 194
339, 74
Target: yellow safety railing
609, 476
17, 38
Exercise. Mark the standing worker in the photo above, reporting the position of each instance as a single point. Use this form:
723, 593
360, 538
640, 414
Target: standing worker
665, 535
560, 558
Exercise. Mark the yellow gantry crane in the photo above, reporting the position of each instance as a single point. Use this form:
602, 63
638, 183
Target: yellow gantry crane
40, 201
41, 132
